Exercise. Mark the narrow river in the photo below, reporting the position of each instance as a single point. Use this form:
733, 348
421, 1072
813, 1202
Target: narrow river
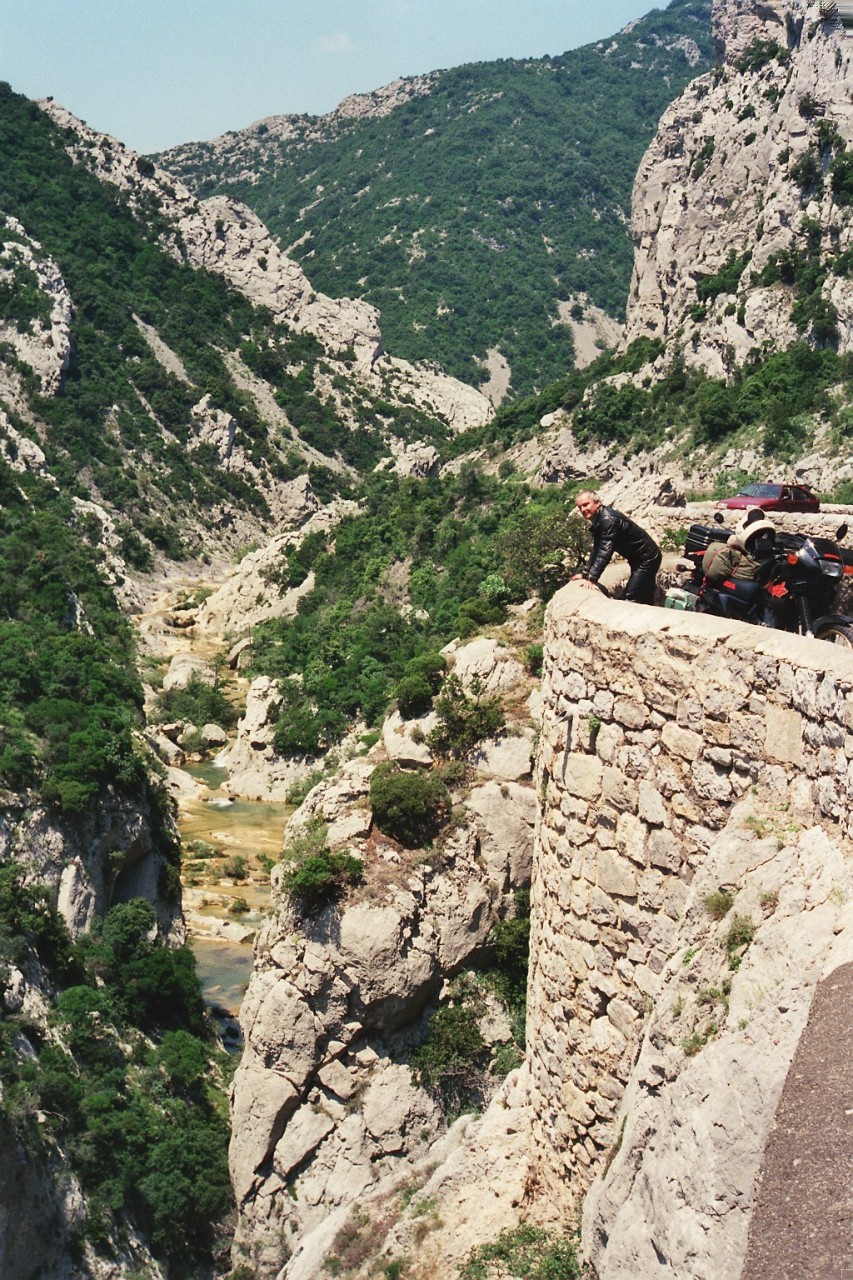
228, 846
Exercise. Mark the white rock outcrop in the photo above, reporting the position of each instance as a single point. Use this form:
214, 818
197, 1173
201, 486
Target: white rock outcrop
658, 1201
44, 342
326, 1114
110, 853
405, 740
508, 756
484, 665
185, 667
255, 770
250, 595
21, 453
719, 183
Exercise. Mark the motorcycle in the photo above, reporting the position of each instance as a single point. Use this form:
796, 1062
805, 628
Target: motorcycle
796, 587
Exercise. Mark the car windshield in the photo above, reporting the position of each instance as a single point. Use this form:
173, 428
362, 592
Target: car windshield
759, 491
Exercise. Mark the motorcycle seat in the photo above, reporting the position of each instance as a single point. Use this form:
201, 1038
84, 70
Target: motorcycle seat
742, 590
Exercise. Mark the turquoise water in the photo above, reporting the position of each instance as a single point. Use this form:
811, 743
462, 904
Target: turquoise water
224, 969
208, 773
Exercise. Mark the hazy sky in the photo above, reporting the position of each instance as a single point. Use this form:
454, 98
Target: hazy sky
158, 72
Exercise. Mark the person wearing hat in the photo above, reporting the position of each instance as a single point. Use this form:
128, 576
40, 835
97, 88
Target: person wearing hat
743, 554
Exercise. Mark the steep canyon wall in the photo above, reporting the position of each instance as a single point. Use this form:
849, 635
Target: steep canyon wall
694, 776
721, 191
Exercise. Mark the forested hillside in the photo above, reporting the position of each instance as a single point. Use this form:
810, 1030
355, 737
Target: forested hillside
159, 356
493, 199
111, 1115
155, 421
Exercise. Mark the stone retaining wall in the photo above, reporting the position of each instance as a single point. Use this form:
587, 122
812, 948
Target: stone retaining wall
655, 723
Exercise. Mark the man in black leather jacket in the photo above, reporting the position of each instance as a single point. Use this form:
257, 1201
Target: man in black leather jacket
611, 531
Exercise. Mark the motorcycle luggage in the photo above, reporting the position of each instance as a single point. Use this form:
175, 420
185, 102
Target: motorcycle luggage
678, 598
700, 537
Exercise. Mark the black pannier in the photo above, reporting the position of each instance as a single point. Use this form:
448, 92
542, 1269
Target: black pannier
700, 537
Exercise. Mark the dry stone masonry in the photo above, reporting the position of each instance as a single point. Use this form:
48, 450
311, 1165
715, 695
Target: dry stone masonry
679, 753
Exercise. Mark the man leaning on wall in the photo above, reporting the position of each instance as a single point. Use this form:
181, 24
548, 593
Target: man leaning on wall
614, 533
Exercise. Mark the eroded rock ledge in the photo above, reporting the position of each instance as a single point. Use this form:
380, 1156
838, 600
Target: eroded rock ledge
326, 1115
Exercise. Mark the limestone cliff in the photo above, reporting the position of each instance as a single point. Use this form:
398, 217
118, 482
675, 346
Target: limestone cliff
335, 1146
744, 184
226, 237
326, 1115
118, 849
44, 343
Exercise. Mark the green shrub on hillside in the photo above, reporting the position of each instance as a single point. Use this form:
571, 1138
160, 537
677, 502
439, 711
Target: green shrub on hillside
524, 1251
759, 53
198, 702
29, 920
70, 698
321, 877
312, 874
463, 720
510, 941
451, 1059
725, 280
841, 178
421, 680
409, 807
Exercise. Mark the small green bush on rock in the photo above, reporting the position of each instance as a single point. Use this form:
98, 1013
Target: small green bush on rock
409, 807
421, 680
452, 1059
313, 874
531, 1252
463, 721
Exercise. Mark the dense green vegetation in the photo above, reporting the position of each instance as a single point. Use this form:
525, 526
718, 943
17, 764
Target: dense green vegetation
114, 269
120, 1079
69, 695
125, 1080
467, 213
351, 648
198, 702
410, 807
768, 399
121, 428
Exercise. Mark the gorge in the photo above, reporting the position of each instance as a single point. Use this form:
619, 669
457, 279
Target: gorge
361, 541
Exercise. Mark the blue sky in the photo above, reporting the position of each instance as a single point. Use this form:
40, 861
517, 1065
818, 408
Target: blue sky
158, 72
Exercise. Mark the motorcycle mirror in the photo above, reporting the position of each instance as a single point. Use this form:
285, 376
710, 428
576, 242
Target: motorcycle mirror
718, 517
841, 533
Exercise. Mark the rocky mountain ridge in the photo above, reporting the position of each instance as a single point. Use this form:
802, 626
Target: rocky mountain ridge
615, 946
225, 236
470, 205
317, 1112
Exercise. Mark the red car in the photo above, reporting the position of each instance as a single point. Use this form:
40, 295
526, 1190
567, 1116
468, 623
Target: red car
773, 497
